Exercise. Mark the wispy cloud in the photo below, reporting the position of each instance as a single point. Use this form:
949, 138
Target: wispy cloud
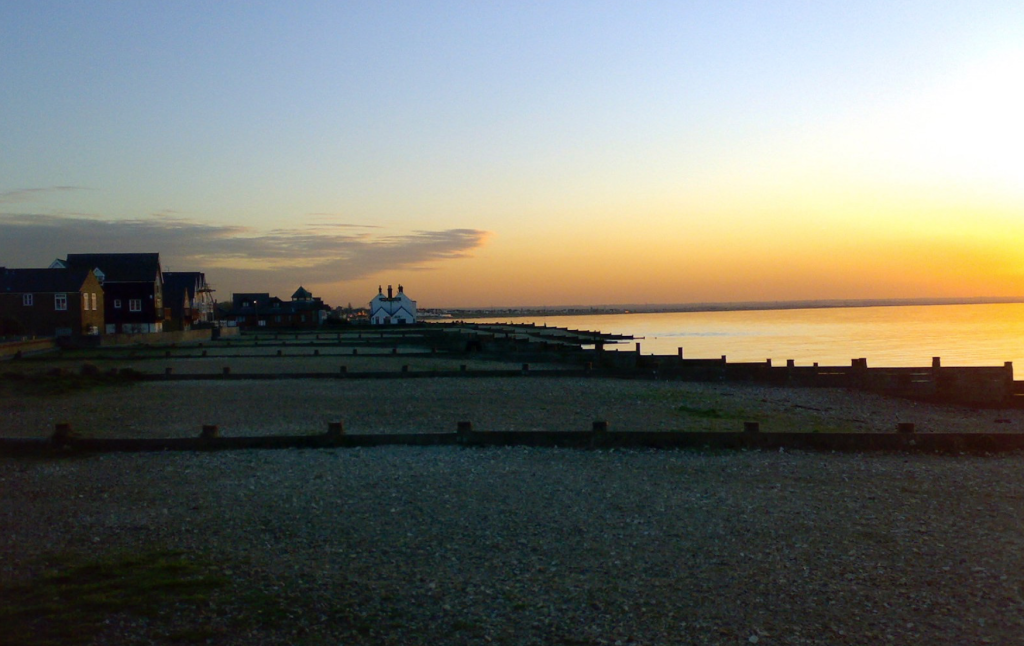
309, 255
18, 195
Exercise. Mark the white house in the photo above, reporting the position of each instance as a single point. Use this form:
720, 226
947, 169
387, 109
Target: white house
392, 309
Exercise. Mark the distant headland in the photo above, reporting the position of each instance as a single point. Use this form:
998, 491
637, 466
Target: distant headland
648, 308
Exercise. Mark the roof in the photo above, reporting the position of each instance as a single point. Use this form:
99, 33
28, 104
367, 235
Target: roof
301, 294
120, 267
23, 281
240, 300
178, 283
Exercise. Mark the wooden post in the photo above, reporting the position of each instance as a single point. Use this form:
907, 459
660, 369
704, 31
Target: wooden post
335, 430
464, 430
62, 434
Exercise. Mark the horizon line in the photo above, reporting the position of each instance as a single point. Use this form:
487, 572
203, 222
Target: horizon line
724, 306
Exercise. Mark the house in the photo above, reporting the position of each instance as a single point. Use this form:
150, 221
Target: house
50, 302
189, 299
259, 309
392, 309
133, 286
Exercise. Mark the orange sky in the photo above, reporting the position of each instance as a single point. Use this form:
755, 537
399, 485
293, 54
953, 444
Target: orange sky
508, 154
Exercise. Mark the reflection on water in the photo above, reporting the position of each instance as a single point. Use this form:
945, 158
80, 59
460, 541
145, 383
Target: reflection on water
963, 335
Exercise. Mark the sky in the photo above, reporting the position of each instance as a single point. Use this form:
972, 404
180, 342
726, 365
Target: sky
523, 153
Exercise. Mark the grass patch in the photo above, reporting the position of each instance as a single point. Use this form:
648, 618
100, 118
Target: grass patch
70, 602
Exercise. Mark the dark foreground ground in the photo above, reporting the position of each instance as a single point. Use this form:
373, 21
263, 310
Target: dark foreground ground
402, 545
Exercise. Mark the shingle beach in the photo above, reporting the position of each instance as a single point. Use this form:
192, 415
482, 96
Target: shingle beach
448, 545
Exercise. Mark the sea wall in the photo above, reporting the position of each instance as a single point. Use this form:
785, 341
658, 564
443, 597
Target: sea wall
157, 338
11, 349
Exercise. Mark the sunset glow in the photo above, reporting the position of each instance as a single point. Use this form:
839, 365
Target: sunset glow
513, 154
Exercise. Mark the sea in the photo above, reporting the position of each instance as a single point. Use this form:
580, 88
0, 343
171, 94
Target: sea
891, 336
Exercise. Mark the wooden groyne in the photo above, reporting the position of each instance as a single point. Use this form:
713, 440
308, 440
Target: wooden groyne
971, 386
554, 352
64, 442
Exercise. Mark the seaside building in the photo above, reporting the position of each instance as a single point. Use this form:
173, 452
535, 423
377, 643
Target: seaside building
58, 302
260, 309
393, 309
188, 298
133, 286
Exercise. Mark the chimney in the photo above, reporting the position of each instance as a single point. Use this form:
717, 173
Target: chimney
389, 293
399, 289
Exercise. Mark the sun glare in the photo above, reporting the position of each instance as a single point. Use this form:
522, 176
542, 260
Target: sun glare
970, 127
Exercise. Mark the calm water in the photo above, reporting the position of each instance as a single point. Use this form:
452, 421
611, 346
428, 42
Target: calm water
963, 335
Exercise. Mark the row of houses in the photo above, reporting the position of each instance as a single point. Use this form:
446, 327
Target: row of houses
102, 293
129, 293
261, 310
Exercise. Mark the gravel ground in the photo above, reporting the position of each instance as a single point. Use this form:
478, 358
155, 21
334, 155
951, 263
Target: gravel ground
179, 409
445, 545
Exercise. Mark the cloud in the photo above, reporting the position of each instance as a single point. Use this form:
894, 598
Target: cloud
33, 194
235, 254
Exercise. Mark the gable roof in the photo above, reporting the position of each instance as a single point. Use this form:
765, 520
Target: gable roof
120, 267
183, 282
24, 281
301, 294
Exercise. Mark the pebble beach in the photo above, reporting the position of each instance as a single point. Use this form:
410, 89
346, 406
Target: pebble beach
451, 545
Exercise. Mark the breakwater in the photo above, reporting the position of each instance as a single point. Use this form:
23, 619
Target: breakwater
64, 442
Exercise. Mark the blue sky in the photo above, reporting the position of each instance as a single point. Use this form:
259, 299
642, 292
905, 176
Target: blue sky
522, 153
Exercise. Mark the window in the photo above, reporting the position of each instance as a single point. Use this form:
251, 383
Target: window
94, 301
27, 300
135, 305
60, 302
117, 303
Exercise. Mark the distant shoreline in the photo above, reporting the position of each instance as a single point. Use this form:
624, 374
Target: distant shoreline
598, 310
